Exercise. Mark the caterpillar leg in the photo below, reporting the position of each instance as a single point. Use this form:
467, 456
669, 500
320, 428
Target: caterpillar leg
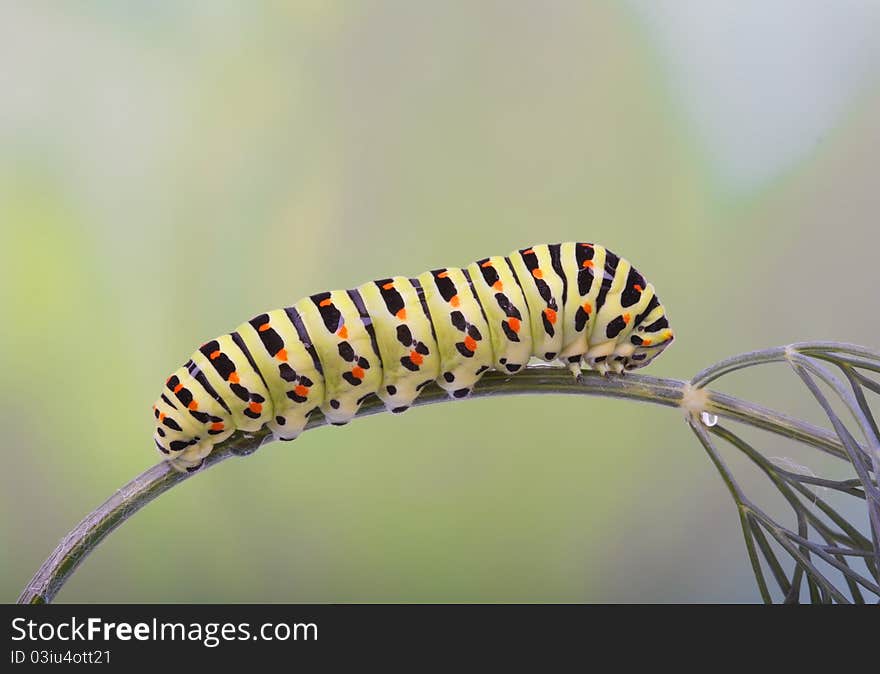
192, 458
600, 365
616, 366
284, 432
598, 357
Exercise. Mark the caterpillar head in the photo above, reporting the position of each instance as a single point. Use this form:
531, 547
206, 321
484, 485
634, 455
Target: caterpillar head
174, 440
647, 348
185, 434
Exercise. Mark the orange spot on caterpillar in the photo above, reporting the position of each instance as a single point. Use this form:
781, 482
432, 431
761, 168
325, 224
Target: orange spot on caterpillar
646, 342
588, 264
638, 287
537, 273
401, 314
218, 426
551, 315
498, 285
587, 245
627, 318
487, 263
256, 408
301, 391
233, 377
343, 332
588, 307
282, 355
514, 324
161, 416
470, 343
263, 327
358, 372
388, 286
443, 274
416, 357
528, 252
214, 355
177, 388
454, 301
325, 303
193, 405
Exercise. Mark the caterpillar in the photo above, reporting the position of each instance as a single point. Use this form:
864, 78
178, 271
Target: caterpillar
577, 303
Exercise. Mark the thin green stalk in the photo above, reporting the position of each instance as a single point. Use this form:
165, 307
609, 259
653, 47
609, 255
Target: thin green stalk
538, 380
91, 531
769, 555
776, 422
748, 535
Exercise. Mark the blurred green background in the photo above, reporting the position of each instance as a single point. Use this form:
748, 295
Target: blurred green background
168, 170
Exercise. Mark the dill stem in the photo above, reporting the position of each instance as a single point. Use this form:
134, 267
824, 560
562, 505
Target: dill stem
153, 482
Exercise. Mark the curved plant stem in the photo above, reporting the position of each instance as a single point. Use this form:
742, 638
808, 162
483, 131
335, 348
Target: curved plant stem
89, 533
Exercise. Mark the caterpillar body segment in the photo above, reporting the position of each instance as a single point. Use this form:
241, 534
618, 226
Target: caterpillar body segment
290, 367
500, 295
575, 302
544, 284
228, 366
344, 345
460, 327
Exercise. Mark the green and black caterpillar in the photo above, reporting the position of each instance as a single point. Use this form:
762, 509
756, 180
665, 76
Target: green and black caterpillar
578, 303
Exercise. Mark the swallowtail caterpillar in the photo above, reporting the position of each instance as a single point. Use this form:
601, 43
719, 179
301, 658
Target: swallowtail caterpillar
577, 303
